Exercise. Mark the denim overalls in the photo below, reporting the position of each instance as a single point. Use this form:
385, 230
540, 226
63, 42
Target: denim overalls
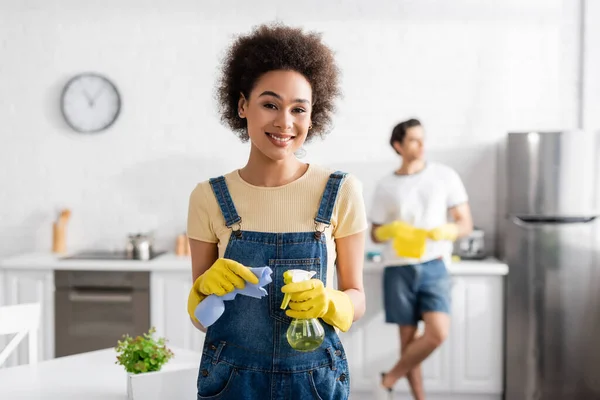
246, 354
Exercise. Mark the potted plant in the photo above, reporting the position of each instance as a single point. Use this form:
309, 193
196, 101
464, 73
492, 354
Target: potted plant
140, 356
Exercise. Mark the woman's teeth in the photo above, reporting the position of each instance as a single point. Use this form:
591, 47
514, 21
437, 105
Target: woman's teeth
281, 139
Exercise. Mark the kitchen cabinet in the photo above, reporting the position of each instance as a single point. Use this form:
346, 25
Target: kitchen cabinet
32, 286
477, 334
469, 363
168, 309
2, 288
3, 338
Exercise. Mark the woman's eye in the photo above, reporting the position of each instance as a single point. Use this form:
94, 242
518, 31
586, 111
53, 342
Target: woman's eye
299, 110
270, 106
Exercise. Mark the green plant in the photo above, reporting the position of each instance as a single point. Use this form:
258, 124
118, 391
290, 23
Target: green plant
143, 353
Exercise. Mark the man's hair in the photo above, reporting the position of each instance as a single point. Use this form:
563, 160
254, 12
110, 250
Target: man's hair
399, 130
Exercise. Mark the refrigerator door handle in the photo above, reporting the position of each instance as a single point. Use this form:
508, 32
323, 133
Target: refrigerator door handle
528, 222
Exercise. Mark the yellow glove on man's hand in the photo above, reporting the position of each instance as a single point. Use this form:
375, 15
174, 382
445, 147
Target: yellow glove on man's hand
444, 232
221, 278
408, 241
310, 299
393, 230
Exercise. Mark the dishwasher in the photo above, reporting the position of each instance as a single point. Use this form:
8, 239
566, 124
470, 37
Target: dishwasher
94, 309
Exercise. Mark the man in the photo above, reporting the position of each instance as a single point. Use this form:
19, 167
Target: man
409, 213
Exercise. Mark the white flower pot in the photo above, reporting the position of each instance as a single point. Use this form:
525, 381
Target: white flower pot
177, 381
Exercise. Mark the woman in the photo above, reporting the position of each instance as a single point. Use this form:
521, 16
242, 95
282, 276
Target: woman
277, 90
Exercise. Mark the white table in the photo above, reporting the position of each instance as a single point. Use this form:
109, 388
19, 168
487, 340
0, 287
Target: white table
88, 376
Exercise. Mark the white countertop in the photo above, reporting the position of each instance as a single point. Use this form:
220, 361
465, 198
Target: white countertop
50, 261
171, 262
488, 266
89, 376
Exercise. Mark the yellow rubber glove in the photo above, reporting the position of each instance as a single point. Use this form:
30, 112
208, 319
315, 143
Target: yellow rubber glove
413, 247
221, 278
444, 232
393, 230
408, 241
310, 299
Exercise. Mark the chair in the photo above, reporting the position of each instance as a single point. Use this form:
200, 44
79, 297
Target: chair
20, 319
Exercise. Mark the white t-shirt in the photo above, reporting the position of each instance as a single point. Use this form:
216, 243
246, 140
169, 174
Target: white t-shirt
422, 200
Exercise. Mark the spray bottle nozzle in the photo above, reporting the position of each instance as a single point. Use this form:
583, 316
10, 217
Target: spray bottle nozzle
294, 275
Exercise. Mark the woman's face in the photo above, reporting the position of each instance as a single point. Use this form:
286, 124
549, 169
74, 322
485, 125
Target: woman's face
278, 113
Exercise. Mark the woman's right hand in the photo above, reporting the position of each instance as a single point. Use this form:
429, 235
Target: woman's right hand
223, 277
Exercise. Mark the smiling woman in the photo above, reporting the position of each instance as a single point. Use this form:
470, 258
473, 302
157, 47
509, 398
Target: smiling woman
277, 90
279, 48
277, 124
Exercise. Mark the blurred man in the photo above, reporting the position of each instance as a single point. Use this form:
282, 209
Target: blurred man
409, 213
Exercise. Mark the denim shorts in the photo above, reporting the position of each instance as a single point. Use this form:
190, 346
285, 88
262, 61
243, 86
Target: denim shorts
411, 290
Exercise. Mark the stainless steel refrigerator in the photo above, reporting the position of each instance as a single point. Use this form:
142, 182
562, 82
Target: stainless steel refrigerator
551, 246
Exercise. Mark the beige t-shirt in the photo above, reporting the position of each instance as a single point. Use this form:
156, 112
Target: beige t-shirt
282, 209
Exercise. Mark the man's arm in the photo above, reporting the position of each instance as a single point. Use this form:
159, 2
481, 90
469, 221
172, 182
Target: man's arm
373, 229
461, 215
379, 210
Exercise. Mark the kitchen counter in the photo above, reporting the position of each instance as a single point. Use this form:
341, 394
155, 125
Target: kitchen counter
488, 266
92, 375
171, 262
50, 261
475, 342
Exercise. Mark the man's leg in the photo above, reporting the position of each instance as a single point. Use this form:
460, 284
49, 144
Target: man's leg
415, 378
437, 325
434, 302
400, 301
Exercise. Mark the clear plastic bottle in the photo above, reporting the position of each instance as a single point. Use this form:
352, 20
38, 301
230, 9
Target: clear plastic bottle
302, 334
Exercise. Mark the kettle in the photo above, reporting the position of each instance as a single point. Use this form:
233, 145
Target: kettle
140, 246
472, 246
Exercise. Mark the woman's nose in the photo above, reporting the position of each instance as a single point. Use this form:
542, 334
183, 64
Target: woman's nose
284, 120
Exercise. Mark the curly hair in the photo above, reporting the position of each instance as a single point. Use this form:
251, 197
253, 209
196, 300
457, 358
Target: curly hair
278, 47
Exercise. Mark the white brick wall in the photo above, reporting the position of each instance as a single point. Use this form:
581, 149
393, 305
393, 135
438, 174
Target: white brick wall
591, 104
471, 70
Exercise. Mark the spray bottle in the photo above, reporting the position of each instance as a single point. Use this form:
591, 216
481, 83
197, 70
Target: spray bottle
302, 334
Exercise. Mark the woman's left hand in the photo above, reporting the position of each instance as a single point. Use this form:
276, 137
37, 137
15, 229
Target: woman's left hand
310, 299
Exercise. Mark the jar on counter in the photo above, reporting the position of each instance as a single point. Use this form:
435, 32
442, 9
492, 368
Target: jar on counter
374, 256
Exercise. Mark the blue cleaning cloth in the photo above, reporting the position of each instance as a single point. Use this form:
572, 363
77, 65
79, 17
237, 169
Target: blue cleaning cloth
209, 310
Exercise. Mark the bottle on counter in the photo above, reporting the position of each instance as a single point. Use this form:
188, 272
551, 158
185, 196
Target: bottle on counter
182, 245
59, 240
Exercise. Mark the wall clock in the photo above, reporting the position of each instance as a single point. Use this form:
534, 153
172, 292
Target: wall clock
90, 103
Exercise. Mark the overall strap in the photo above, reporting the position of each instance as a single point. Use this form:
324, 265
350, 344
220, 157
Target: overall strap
219, 187
328, 200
